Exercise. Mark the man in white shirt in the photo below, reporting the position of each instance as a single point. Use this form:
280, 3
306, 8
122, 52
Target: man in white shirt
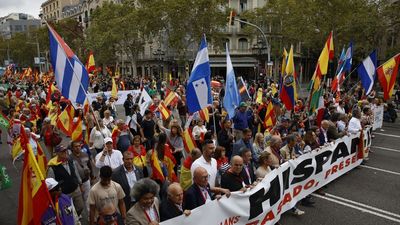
355, 123
207, 162
109, 156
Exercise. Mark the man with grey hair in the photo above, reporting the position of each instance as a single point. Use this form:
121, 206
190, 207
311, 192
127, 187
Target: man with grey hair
173, 205
287, 152
274, 148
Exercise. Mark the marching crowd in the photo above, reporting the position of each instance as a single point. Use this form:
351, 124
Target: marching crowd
143, 170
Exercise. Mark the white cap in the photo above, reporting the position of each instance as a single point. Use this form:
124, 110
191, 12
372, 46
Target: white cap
51, 183
107, 139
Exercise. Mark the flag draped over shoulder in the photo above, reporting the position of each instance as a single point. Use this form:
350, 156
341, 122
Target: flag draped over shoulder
34, 197
76, 134
366, 71
157, 172
232, 96
387, 74
198, 90
70, 74
288, 92
163, 109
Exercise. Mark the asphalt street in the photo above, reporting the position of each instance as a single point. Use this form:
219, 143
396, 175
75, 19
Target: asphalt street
367, 195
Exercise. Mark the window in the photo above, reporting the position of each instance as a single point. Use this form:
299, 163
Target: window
243, 44
57, 4
243, 5
58, 14
18, 28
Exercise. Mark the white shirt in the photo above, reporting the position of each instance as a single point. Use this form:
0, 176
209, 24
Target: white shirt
339, 109
97, 137
354, 125
114, 160
210, 167
131, 177
341, 126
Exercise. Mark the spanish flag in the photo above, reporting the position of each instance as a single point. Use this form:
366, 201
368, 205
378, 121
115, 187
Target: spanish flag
165, 112
170, 162
204, 114
270, 118
188, 140
34, 197
65, 120
76, 134
139, 159
90, 65
387, 74
171, 98
157, 173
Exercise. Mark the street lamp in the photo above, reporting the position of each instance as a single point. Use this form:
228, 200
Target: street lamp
159, 53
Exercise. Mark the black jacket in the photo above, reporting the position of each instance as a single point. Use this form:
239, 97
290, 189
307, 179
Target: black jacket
169, 210
194, 198
119, 176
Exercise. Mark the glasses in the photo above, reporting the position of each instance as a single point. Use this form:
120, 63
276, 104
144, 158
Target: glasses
238, 165
109, 218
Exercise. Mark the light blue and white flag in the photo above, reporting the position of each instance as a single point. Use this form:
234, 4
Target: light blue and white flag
232, 96
198, 90
70, 74
366, 71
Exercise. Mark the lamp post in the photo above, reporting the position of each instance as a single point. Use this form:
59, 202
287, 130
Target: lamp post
259, 50
159, 53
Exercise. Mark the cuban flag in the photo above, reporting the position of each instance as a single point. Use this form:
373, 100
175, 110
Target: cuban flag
70, 74
198, 90
366, 71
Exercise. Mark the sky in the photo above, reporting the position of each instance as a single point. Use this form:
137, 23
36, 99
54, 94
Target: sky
31, 7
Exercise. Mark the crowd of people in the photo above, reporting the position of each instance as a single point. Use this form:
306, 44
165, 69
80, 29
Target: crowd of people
139, 170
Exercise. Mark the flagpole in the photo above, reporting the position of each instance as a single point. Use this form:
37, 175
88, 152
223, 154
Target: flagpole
80, 83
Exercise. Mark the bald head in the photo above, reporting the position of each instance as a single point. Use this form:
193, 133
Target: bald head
325, 124
236, 164
175, 193
200, 177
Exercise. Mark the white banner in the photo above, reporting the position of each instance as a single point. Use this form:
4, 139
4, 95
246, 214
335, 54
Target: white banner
122, 95
378, 117
282, 188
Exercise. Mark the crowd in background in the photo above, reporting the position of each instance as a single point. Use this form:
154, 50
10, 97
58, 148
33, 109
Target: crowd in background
139, 170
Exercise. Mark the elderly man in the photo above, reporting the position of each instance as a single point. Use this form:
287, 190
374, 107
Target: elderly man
200, 192
288, 152
127, 175
274, 149
109, 156
232, 178
173, 205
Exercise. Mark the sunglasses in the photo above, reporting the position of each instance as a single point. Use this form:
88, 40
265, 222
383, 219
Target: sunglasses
110, 218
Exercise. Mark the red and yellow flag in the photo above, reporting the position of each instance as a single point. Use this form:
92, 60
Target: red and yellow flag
204, 115
387, 74
65, 120
34, 197
270, 118
90, 65
171, 98
165, 112
114, 89
170, 162
76, 134
157, 173
188, 140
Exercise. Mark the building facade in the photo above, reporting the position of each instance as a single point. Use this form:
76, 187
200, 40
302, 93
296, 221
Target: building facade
17, 22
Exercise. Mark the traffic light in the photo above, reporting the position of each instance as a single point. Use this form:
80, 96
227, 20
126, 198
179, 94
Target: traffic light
232, 15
